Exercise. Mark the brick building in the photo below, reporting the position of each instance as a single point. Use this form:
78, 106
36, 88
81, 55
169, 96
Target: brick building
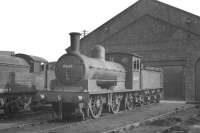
164, 36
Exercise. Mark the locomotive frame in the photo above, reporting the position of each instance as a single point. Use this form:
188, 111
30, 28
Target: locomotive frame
109, 83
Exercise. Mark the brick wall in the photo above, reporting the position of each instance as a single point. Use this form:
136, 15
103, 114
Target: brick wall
161, 34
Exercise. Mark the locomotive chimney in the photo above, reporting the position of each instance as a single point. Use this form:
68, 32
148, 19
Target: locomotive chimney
75, 42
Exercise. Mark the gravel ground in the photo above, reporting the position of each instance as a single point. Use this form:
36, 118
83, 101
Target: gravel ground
24, 120
181, 122
106, 122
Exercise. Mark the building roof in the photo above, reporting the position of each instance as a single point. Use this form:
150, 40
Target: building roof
172, 15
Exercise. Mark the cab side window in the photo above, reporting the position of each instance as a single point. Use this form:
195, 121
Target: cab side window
39, 67
42, 66
136, 64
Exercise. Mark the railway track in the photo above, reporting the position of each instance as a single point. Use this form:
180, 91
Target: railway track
183, 126
44, 126
37, 120
33, 119
24, 119
180, 122
102, 124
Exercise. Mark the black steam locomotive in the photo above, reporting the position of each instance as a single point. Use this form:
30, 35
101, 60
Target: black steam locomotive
21, 77
87, 86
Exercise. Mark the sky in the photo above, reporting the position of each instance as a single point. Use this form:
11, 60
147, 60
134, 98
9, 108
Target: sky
42, 27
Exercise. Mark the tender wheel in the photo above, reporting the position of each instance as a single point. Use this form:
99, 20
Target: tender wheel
95, 106
157, 98
115, 103
130, 102
147, 99
17, 104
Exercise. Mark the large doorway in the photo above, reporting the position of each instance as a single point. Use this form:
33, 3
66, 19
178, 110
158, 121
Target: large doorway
197, 80
174, 88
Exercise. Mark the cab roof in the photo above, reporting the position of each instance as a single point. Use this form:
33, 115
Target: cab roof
31, 58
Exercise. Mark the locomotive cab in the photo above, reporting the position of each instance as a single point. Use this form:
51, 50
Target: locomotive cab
37, 64
39, 73
132, 65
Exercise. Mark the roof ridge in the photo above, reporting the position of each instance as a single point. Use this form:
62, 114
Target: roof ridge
98, 29
159, 19
165, 4
122, 12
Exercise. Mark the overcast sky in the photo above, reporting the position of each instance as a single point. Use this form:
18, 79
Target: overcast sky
41, 27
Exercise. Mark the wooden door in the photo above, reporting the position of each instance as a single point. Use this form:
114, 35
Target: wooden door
174, 83
197, 80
